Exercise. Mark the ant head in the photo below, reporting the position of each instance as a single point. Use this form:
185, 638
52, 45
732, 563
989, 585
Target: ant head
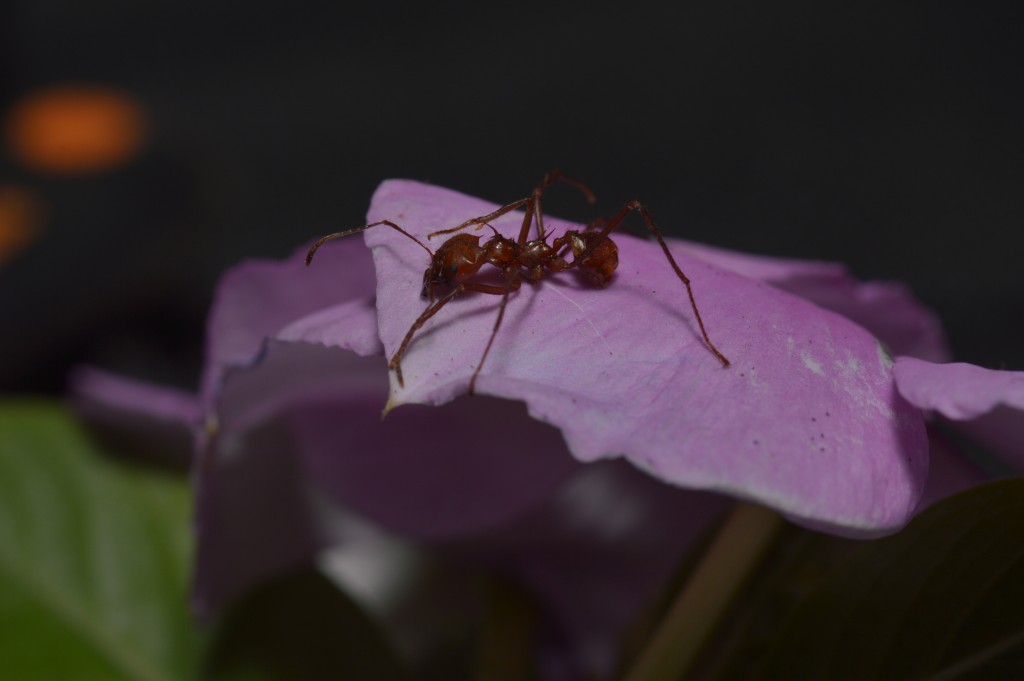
459, 257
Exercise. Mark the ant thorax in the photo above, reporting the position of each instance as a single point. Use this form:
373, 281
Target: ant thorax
502, 252
538, 256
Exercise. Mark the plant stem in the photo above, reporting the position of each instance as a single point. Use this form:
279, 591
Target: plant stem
507, 645
699, 606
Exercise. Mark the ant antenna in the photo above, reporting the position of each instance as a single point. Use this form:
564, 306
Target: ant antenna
483, 219
558, 175
538, 191
337, 235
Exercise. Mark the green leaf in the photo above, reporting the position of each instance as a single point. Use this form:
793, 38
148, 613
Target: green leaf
943, 599
93, 559
300, 627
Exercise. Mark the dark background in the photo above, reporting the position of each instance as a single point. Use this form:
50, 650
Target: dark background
886, 136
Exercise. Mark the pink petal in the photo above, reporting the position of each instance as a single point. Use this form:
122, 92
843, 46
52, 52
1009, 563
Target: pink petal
157, 420
988, 404
258, 298
958, 391
599, 551
257, 515
807, 419
253, 302
886, 309
119, 394
301, 426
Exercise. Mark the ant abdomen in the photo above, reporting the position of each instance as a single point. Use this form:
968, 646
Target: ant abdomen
595, 255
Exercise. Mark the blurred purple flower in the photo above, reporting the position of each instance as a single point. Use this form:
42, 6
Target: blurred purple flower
807, 419
287, 423
985, 404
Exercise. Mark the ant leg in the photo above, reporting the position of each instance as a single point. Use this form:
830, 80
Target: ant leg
533, 206
337, 235
483, 219
559, 176
503, 291
524, 231
538, 191
637, 206
513, 285
396, 360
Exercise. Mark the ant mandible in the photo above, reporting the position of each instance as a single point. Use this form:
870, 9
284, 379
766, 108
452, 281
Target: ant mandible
594, 254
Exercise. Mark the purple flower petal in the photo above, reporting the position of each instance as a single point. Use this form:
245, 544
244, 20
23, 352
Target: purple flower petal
598, 551
886, 309
429, 473
293, 443
316, 391
807, 419
257, 514
988, 404
257, 511
424, 473
258, 298
120, 395
154, 419
958, 391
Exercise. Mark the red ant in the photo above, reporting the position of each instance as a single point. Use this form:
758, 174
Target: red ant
595, 255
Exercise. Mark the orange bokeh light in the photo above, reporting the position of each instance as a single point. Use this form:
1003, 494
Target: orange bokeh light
20, 220
75, 128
